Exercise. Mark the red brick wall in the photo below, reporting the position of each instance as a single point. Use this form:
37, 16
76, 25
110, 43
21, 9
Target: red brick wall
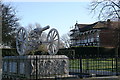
107, 38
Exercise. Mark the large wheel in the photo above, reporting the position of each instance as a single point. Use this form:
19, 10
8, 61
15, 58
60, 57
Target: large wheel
53, 41
21, 41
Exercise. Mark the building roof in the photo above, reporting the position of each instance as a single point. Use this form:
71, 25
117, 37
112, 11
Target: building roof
81, 25
87, 27
98, 25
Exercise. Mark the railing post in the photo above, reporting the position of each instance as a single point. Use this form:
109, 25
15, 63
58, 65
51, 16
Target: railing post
36, 69
87, 64
80, 64
112, 64
116, 66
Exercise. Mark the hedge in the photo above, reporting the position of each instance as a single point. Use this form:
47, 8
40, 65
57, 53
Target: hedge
89, 51
9, 52
99, 51
74, 52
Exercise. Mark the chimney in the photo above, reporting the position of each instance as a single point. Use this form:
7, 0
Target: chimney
108, 23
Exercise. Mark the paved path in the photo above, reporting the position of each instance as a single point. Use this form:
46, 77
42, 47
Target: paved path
99, 78
94, 72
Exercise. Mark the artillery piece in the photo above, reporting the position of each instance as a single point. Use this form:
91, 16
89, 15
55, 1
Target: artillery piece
27, 42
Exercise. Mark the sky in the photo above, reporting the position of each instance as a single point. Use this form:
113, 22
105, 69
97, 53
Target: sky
59, 15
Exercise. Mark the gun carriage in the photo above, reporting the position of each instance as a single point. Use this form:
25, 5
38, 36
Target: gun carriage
27, 42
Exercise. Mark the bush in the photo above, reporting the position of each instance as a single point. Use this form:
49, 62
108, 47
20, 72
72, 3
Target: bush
9, 52
77, 52
94, 51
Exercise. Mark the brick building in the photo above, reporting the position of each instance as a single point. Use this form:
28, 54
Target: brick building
101, 33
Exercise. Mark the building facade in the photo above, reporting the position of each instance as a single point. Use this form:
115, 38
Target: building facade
101, 34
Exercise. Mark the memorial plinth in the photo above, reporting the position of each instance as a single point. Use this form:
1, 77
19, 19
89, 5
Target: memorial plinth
33, 66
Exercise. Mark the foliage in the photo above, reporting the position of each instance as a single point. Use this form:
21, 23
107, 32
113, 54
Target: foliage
9, 52
77, 52
9, 24
68, 52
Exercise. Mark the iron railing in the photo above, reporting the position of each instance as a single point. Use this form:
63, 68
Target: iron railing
79, 67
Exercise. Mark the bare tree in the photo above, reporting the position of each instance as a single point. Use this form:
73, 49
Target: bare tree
61, 46
36, 25
66, 40
106, 9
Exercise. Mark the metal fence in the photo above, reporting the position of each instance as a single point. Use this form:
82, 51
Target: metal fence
82, 66
36, 67
87, 66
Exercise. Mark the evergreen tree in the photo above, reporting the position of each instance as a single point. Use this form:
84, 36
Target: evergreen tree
9, 24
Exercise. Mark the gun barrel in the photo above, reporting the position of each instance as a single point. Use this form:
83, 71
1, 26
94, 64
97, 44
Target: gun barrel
45, 28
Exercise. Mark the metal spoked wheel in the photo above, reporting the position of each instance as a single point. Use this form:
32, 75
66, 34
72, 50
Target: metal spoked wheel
53, 41
21, 41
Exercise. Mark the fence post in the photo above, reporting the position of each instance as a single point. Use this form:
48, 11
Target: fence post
80, 64
87, 64
116, 65
112, 64
116, 56
36, 69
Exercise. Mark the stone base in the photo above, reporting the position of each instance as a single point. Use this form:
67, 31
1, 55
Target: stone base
36, 66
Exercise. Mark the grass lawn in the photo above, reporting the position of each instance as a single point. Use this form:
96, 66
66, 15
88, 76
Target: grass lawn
107, 64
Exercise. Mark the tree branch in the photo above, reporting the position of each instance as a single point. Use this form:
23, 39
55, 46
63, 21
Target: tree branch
115, 4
